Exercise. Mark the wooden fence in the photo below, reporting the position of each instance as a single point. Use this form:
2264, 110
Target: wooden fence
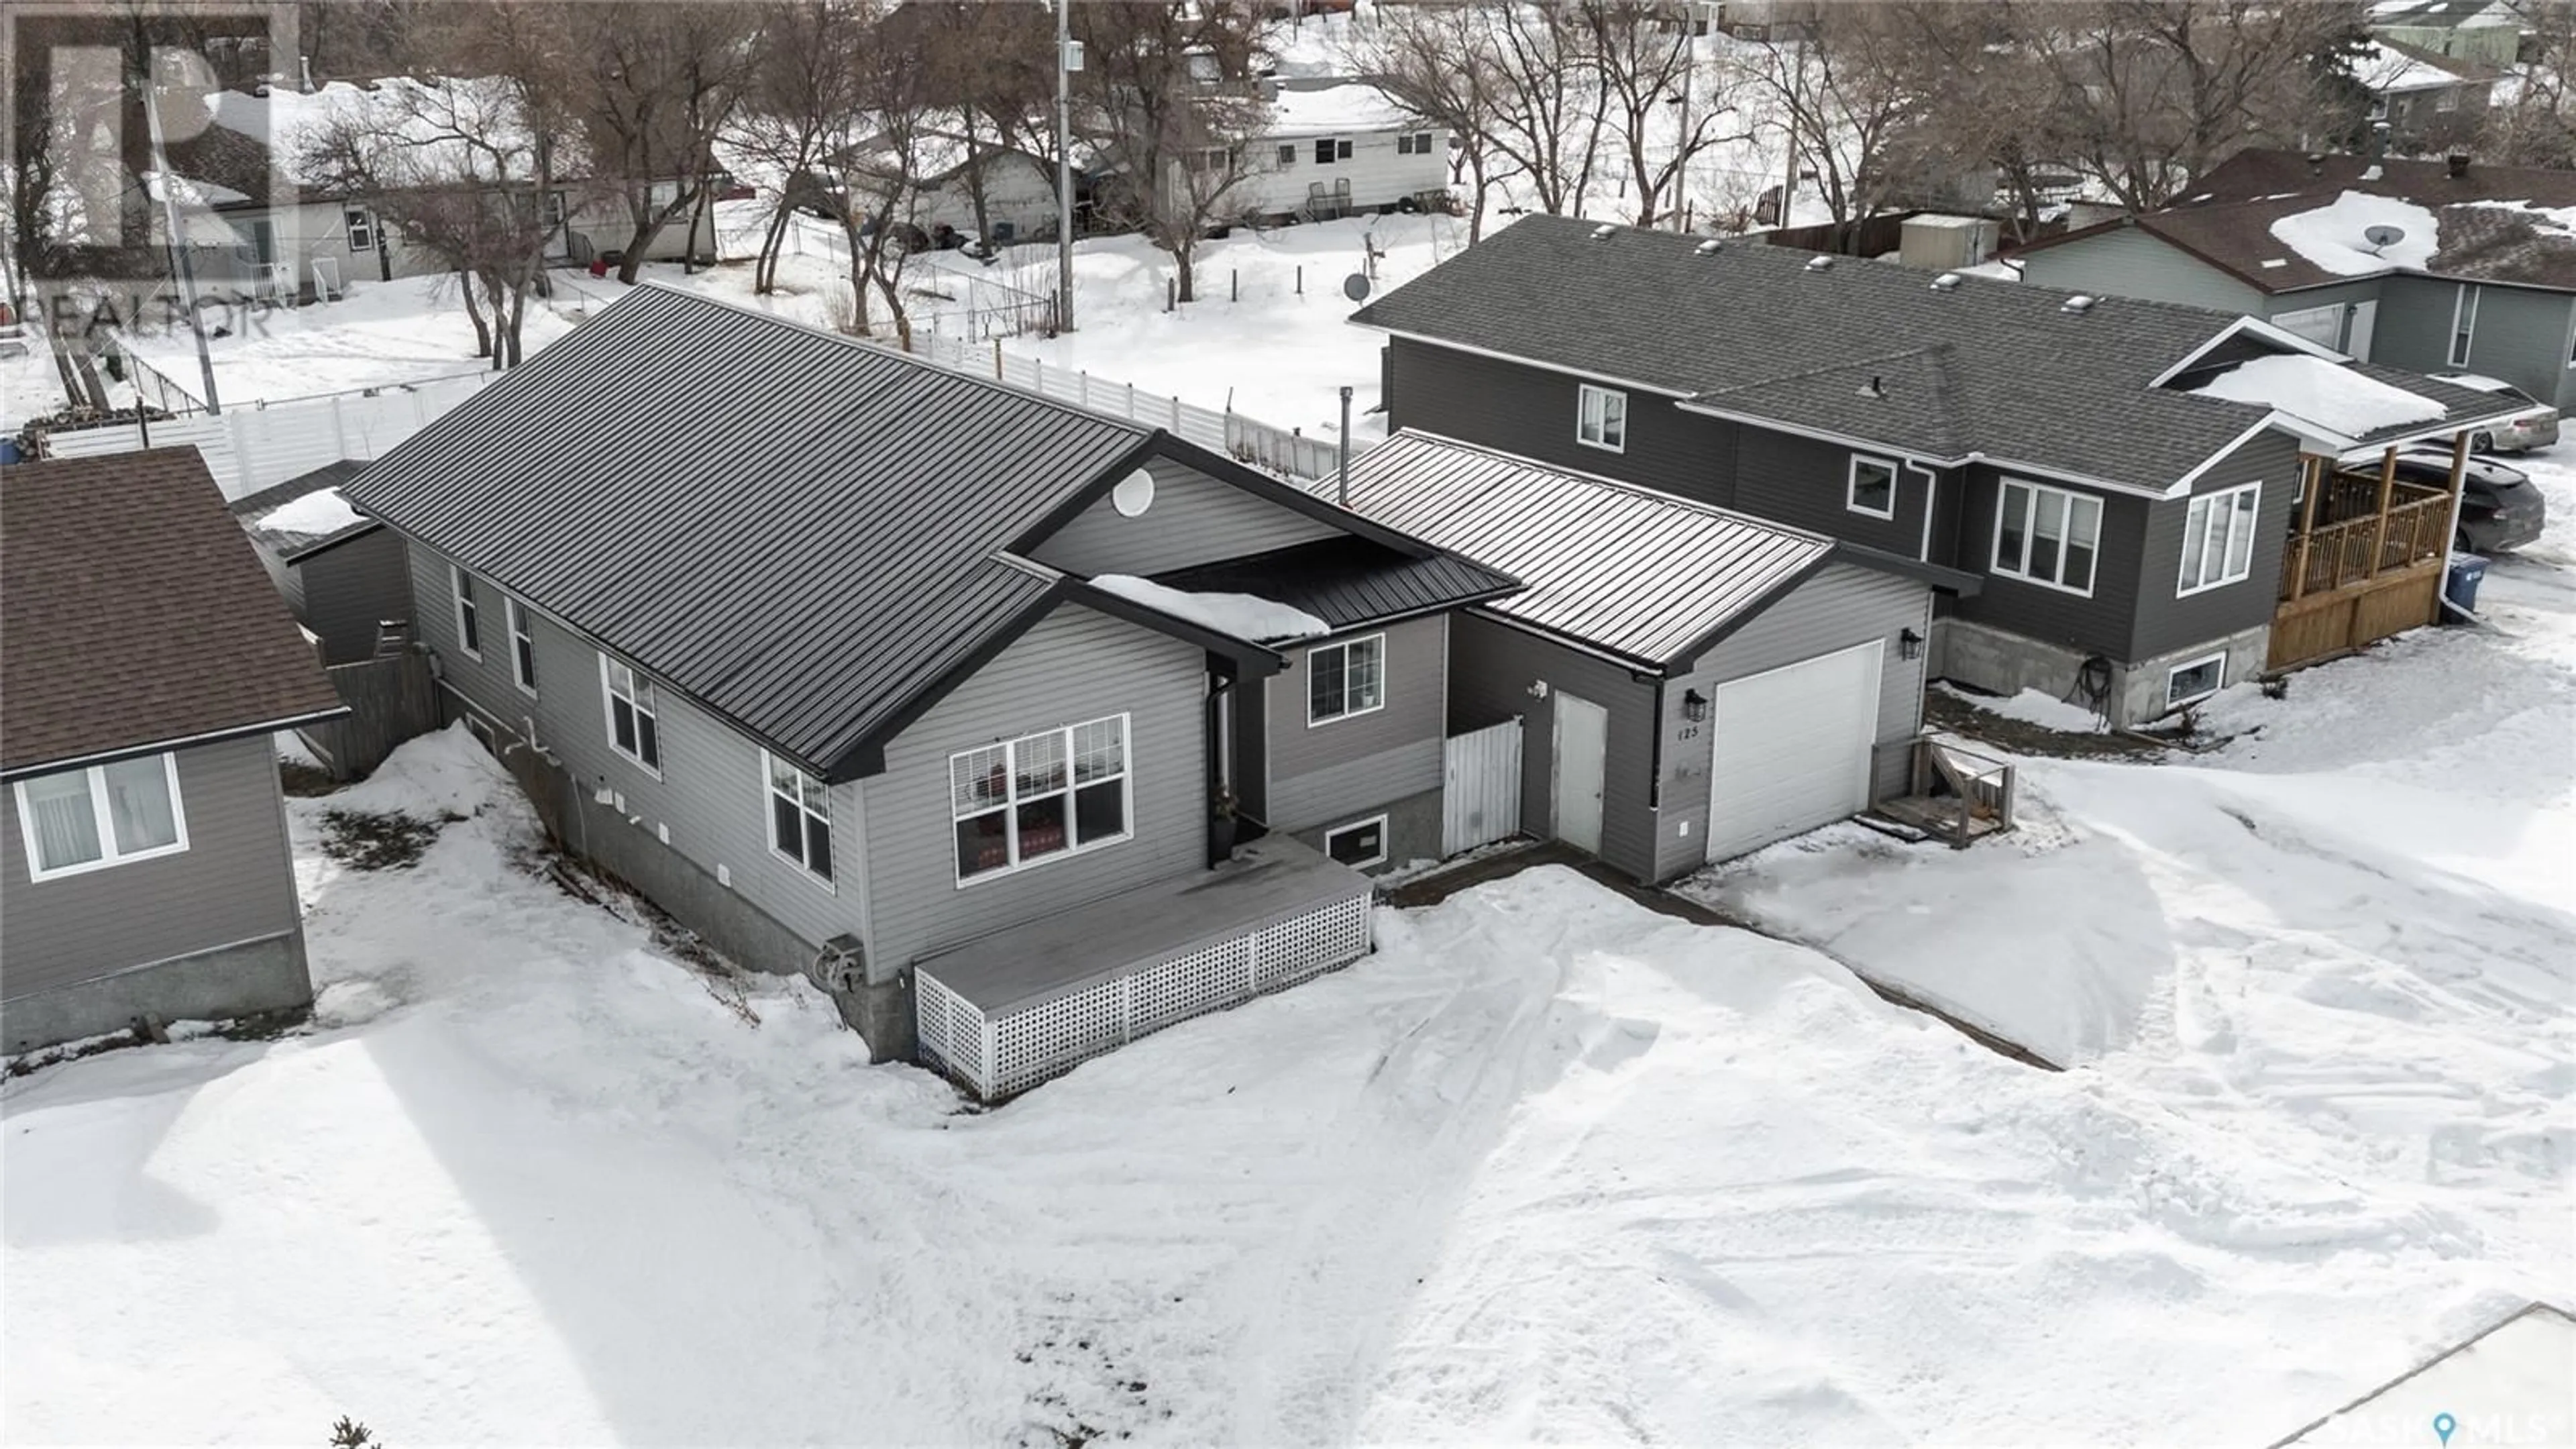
390, 699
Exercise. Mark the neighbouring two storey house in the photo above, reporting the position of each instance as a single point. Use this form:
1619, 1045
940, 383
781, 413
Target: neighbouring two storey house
2155, 500
964, 701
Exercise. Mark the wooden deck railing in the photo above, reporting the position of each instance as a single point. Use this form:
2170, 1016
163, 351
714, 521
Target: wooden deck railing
1973, 794
2336, 554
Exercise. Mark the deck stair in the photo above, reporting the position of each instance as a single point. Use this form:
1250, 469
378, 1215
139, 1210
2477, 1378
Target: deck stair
1954, 794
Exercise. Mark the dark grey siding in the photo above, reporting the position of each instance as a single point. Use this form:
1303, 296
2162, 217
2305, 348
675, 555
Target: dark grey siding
1194, 519
1323, 773
348, 590
1074, 665
1841, 606
234, 883
1531, 411
2099, 624
2128, 262
1250, 704
2165, 620
1492, 667
2413, 330
2521, 338
712, 797
1805, 483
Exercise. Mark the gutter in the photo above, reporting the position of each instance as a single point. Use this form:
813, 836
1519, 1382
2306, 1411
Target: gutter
168, 746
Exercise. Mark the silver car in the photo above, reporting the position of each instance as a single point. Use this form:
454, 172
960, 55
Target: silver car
2534, 427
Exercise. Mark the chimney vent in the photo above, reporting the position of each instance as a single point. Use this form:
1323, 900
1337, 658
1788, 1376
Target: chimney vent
1946, 282
1819, 263
1604, 232
2076, 306
1707, 248
1872, 388
2457, 163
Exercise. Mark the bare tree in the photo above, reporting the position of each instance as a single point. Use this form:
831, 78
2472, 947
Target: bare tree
1839, 84
1168, 91
991, 66
659, 84
1548, 104
1434, 60
2534, 122
798, 98
1649, 69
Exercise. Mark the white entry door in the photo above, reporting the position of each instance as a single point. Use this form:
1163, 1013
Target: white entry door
1582, 746
1792, 749
2365, 320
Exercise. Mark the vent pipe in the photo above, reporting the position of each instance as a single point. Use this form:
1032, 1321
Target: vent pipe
1342, 464
1872, 388
2076, 306
1946, 282
1819, 263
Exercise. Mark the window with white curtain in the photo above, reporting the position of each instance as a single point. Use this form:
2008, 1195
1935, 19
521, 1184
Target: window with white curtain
104, 815
1019, 802
2218, 538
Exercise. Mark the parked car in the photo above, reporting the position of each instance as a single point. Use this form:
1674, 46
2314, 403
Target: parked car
2499, 507
2534, 427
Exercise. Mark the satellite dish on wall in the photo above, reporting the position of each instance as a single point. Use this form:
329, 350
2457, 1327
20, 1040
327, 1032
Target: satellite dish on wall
1356, 286
2383, 236
1133, 495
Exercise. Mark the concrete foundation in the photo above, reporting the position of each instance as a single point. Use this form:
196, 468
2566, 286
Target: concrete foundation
1998, 661
1413, 831
217, 985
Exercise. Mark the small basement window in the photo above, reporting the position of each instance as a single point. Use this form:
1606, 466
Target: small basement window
1360, 843
2193, 682
800, 816
84, 820
1601, 419
1872, 489
1345, 679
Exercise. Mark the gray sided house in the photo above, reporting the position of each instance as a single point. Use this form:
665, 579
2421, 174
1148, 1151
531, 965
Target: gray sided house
342, 575
144, 864
2123, 479
2482, 279
918, 684
1691, 683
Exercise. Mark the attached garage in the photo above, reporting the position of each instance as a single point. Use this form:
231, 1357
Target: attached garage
1690, 683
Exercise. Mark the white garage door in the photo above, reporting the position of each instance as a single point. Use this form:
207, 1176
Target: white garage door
1792, 749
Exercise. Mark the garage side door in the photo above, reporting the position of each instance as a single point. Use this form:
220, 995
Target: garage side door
1792, 749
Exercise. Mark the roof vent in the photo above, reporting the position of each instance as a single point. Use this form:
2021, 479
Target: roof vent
2076, 306
1872, 388
1819, 263
1707, 248
1604, 232
1946, 282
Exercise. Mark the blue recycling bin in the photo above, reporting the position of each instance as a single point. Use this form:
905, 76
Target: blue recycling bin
2468, 570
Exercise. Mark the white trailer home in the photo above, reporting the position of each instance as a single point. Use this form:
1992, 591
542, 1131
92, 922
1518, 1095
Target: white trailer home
1336, 147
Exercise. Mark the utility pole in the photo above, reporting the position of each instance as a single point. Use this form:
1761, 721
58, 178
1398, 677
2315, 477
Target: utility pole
1066, 62
178, 239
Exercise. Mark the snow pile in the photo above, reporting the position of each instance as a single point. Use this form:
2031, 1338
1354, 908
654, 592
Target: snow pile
2548, 220
2333, 236
2324, 394
1241, 616
319, 512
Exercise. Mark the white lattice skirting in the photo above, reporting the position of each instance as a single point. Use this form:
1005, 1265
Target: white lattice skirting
1018, 1047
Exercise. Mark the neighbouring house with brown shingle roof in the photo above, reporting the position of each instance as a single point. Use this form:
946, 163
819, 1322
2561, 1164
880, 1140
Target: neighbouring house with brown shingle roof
145, 661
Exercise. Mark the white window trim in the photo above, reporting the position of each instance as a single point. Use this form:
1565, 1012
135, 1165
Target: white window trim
769, 798
608, 717
109, 857
1378, 859
2460, 342
2184, 588
456, 578
1313, 723
1851, 485
2219, 658
1126, 799
1582, 404
1994, 555
355, 219
516, 621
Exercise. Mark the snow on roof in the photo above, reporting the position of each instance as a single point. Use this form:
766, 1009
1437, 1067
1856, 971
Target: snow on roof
2326, 394
1240, 616
2334, 236
429, 115
1331, 110
322, 511
189, 190
2383, 68
2559, 219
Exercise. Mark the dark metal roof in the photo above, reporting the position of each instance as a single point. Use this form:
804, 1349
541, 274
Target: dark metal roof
133, 615
292, 543
1648, 577
1349, 582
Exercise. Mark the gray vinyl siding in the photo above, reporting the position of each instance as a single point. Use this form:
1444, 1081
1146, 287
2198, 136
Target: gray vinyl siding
1531, 411
1194, 519
1492, 668
2166, 621
2341, 295
2521, 338
2128, 262
2101, 624
235, 882
2414, 325
1074, 665
1805, 483
712, 795
348, 590
1322, 772
1840, 607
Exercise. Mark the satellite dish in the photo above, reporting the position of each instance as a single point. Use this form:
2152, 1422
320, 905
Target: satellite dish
2383, 236
1133, 495
1356, 286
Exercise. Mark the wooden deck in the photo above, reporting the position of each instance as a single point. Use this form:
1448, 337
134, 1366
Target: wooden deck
2364, 561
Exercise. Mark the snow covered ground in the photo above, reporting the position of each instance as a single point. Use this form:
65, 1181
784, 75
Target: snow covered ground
1546, 1166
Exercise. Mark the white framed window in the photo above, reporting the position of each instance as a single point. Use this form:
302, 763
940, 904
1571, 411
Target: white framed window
362, 229
800, 816
2218, 538
2320, 325
2447, 99
523, 645
1288, 155
634, 715
1360, 843
1413, 143
1601, 418
2196, 680
105, 815
1213, 160
2047, 535
1872, 487
2464, 323
1023, 802
1330, 149
1345, 679
469, 612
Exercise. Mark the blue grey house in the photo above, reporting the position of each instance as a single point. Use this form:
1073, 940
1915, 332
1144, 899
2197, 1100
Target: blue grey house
962, 701
343, 577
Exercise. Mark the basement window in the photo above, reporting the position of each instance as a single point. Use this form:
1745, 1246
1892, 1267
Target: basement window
2193, 682
1358, 844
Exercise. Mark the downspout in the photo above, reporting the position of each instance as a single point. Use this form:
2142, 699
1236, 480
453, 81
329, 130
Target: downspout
1216, 766
1342, 468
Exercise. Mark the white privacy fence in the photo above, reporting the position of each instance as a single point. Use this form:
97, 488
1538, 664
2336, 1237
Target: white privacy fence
1480, 799
255, 447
